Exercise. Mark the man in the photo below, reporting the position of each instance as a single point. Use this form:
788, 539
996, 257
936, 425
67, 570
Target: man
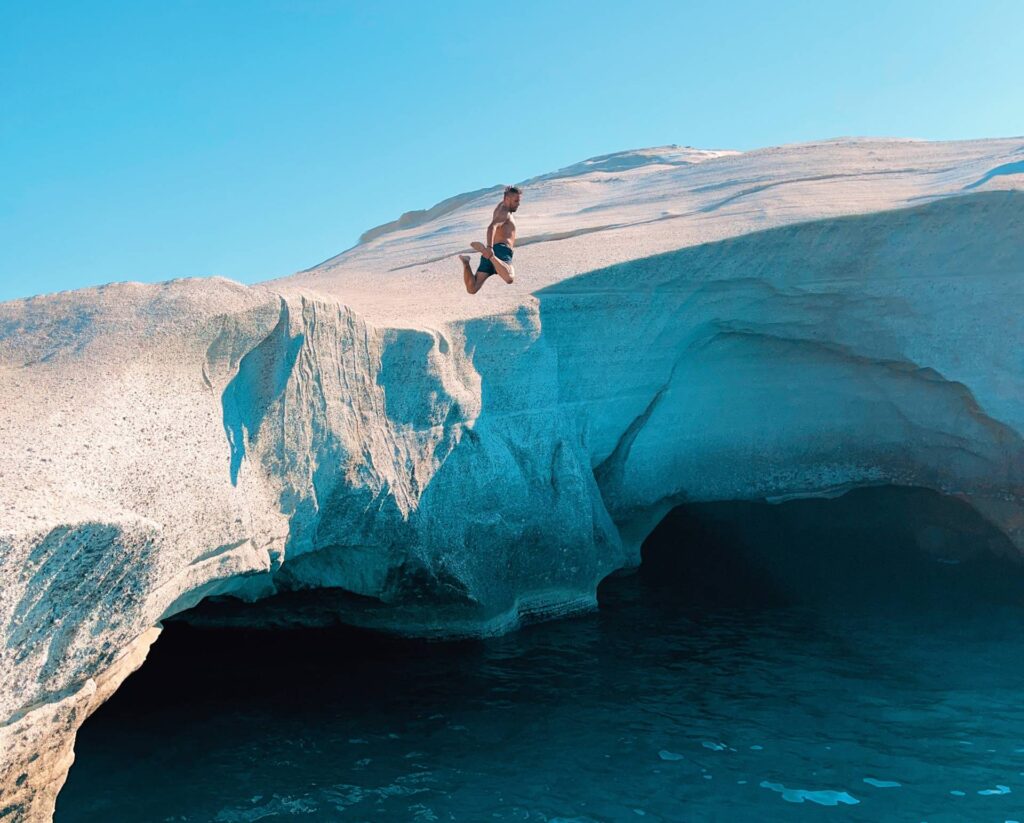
496, 258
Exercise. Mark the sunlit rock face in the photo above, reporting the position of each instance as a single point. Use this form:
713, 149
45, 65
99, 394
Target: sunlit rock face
365, 442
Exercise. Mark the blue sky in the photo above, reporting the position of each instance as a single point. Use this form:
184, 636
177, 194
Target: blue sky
146, 141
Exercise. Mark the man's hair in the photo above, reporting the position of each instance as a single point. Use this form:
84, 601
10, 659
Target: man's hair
512, 190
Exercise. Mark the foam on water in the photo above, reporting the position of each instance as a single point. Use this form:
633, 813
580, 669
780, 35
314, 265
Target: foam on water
824, 797
882, 784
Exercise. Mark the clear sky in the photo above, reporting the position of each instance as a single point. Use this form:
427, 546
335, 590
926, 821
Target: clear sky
152, 140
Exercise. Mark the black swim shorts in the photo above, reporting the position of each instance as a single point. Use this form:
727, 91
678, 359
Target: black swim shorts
502, 252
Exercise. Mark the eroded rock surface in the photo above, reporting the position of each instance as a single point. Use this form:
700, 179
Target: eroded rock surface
365, 442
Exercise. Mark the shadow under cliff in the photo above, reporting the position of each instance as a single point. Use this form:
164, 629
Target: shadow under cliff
884, 547
786, 626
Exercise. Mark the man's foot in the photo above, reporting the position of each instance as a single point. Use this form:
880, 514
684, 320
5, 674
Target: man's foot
480, 247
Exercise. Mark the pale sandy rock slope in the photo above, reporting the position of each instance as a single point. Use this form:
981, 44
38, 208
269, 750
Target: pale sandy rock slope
366, 442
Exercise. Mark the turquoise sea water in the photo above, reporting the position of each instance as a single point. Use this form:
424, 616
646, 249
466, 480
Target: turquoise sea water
700, 690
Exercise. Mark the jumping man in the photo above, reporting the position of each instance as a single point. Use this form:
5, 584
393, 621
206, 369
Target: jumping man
496, 259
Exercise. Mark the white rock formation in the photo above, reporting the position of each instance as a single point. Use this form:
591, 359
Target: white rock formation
684, 325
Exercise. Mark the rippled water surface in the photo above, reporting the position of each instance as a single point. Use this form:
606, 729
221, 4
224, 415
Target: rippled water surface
662, 705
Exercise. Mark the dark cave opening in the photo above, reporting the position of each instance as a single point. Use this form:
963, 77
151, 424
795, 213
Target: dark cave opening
877, 547
887, 547
881, 546
728, 616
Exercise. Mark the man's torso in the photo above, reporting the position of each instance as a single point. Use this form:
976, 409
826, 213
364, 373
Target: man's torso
505, 232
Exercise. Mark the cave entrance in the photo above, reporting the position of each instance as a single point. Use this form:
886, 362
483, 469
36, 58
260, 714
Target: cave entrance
875, 547
264, 724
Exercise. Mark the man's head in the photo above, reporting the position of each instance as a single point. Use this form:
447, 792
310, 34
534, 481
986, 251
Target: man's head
512, 195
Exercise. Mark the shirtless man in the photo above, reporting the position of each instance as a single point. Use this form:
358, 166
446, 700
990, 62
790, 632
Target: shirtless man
496, 259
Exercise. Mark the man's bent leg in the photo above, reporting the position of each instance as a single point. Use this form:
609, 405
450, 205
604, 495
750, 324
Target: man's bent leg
468, 278
501, 268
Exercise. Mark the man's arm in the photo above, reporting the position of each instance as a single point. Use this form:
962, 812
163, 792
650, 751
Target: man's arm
500, 216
